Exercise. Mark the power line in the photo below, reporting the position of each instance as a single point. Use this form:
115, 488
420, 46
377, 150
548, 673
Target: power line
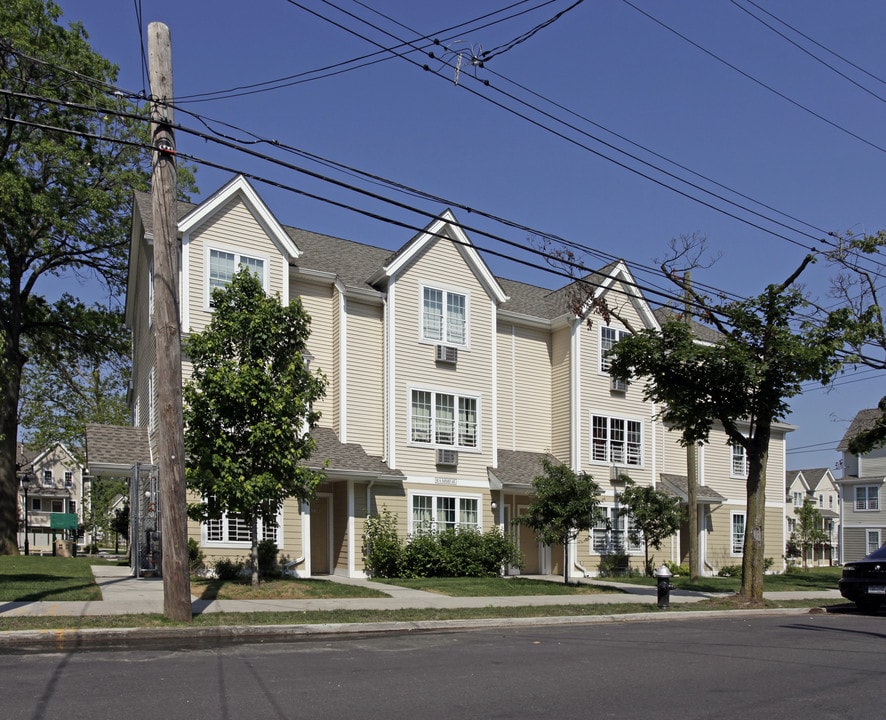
807, 52
750, 77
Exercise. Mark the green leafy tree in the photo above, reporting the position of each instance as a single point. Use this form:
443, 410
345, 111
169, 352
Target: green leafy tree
742, 382
249, 407
69, 162
98, 518
808, 532
58, 399
656, 516
565, 503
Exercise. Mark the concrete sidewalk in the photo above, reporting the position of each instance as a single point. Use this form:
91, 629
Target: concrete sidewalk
123, 594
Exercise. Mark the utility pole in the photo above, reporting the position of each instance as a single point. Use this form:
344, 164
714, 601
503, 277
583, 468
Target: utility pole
167, 324
691, 461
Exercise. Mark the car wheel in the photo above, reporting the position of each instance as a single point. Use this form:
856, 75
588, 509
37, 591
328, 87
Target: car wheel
868, 604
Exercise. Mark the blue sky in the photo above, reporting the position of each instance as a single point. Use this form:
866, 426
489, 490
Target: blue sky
696, 90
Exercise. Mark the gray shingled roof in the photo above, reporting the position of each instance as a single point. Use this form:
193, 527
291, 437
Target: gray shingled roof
518, 468
702, 332
345, 456
863, 420
678, 485
117, 445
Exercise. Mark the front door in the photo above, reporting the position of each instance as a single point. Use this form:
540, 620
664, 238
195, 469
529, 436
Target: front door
320, 546
528, 546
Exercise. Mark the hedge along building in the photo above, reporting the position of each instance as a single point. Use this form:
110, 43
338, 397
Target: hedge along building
446, 387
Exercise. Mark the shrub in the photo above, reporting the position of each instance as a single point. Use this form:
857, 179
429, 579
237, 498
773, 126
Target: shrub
730, 571
267, 559
615, 564
228, 569
423, 556
195, 556
382, 551
677, 569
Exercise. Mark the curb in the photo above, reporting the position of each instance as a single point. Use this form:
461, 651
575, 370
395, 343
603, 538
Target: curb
20, 641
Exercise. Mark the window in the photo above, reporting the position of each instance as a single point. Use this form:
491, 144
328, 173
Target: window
610, 533
36, 504
831, 501
740, 465
431, 513
608, 337
867, 497
873, 540
47, 478
615, 440
798, 499
821, 501
58, 506
69, 479
221, 266
792, 525
738, 520
443, 419
232, 528
444, 317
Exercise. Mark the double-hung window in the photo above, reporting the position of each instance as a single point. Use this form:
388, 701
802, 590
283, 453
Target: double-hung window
444, 317
232, 528
616, 440
223, 264
432, 513
47, 478
611, 533
738, 523
740, 463
867, 497
443, 419
608, 337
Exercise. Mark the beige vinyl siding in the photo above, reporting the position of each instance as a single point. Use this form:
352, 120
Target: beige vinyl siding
233, 228
561, 404
319, 301
441, 266
717, 467
598, 398
365, 376
524, 388
719, 539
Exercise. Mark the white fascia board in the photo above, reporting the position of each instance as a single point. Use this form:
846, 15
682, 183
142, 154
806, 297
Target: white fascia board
621, 273
239, 185
437, 231
525, 320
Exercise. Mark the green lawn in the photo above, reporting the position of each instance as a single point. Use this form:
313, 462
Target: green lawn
282, 589
823, 578
496, 586
30, 578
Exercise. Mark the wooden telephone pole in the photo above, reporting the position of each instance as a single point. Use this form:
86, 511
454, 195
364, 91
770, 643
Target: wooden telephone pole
167, 324
691, 465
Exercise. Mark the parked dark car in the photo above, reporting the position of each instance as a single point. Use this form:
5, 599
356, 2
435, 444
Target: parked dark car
864, 581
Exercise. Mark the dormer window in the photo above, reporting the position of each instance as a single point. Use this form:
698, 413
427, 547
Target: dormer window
444, 317
608, 337
222, 264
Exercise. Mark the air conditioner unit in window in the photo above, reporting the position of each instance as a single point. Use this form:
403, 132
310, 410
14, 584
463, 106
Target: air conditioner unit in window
447, 458
447, 354
618, 386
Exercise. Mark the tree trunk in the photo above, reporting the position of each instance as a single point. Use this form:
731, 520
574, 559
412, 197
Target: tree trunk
755, 517
10, 372
254, 552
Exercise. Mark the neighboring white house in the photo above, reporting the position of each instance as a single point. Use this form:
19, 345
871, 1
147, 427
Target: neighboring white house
447, 385
863, 518
57, 485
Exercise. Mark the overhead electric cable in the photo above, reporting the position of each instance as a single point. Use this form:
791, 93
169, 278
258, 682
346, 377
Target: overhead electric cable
750, 77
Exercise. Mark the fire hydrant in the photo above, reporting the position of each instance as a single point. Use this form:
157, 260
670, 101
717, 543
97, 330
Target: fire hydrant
663, 576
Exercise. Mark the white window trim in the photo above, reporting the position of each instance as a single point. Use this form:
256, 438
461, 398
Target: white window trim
476, 448
867, 501
610, 418
436, 494
732, 516
446, 290
238, 255
744, 455
867, 539
627, 548
619, 334
238, 544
